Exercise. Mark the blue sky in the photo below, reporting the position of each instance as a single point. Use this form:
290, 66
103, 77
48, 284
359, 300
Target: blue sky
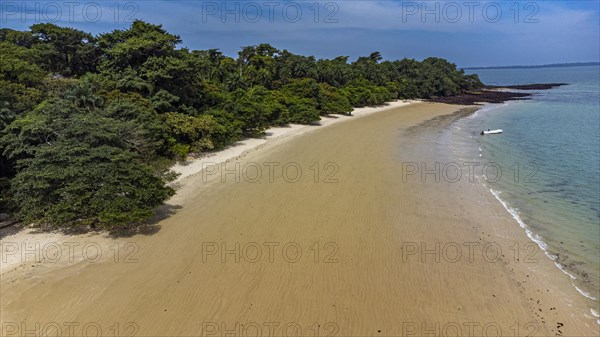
469, 33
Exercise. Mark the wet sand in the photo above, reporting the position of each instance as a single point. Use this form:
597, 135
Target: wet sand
347, 247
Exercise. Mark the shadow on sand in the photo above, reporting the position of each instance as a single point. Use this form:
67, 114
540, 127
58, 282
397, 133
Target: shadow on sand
149, 227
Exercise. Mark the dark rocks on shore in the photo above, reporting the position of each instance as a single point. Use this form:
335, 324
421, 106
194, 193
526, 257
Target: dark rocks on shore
482, 96
493, 94
534, 86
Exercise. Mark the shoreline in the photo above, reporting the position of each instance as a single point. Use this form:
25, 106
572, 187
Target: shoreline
369, 236
580, 296
547, 271
195, 166
31, 237
550, 274
495, 94
544, 245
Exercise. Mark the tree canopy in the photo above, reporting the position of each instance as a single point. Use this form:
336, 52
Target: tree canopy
90, 124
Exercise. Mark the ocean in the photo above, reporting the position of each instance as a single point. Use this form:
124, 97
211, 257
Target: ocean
545, 166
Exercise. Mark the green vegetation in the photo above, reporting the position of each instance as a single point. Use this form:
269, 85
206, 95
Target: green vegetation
89, 124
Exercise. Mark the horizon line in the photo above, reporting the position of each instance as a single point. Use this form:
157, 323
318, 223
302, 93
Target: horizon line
549, 65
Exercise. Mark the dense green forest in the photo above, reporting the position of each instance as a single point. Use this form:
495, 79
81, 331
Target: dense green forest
89, 125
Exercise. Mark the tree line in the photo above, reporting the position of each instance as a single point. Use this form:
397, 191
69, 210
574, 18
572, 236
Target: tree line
89, 125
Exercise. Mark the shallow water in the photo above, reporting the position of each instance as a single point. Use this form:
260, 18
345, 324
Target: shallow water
546, 164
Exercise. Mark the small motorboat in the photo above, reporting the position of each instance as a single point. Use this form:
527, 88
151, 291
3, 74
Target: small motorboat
491, 132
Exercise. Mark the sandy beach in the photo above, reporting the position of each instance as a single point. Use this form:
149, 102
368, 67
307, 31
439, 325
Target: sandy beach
312, 231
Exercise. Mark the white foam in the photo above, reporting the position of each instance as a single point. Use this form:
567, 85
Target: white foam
490, 106
588, 295
539, 241
473, 115
595, 314
565, 271
533, 237
512, 212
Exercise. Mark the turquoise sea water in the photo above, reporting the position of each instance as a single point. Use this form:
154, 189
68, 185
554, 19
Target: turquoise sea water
549, 157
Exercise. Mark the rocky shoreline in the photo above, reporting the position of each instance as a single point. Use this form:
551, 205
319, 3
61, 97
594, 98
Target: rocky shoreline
495, 94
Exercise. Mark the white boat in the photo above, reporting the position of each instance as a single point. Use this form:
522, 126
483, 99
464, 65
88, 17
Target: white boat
491, 132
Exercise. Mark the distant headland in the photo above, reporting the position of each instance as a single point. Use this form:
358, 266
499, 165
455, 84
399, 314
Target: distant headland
495, 94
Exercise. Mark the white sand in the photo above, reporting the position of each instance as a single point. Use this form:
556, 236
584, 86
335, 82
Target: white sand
368, 288
25, 249
20, 250
195, 166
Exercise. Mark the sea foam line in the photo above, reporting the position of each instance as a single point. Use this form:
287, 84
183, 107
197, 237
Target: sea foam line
532, 236
564, 271
584, 293
515, 214
487, 107
596, 315
538, 240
